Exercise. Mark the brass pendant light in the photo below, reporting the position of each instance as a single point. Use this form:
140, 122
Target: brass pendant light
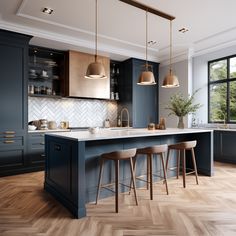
170, 80
96, 69
146, 77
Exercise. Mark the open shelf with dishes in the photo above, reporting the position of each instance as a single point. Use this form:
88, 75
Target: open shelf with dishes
114, 79
46, 72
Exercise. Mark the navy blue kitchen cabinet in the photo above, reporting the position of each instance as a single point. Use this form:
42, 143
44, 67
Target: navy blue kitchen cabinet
13, 101
141, 100
35, 150
224, 146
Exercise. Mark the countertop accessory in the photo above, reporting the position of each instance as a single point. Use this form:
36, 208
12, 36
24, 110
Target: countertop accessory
52, 124
162, 124
151, 126
94, 130
32, 127
107, 123
96, 69
64, 124
43, 124
181, 106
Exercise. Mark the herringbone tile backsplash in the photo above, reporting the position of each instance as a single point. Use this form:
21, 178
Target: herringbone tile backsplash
79, 112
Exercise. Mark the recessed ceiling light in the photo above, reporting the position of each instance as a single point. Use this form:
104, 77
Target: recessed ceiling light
47, 10
151, 43
183, 30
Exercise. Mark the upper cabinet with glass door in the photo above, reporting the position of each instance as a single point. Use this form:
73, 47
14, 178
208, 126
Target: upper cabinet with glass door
46, 72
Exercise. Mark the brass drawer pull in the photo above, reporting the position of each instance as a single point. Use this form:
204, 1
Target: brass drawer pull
9, 141
9, 132
42, 143
9, 136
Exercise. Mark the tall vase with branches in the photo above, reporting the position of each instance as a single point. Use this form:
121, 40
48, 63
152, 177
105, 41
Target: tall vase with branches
181, 106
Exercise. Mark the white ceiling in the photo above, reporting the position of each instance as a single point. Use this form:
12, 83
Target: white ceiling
121, 27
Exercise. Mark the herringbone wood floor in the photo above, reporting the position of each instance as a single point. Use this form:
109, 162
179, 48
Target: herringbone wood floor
206, 209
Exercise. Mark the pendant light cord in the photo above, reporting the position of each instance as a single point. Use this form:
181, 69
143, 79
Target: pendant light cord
170, 46
96, 30
146, 38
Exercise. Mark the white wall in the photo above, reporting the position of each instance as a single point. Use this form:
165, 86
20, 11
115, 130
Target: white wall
181, 70
200, 78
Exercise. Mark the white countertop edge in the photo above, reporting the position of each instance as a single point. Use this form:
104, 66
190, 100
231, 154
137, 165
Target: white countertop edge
105, 134
48, 131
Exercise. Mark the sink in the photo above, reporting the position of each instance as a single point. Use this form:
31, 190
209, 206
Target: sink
121, 128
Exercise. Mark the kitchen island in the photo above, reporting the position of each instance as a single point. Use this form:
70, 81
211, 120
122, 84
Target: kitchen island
72, 159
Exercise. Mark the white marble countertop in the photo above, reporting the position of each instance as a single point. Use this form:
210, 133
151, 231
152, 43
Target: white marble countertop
123, 133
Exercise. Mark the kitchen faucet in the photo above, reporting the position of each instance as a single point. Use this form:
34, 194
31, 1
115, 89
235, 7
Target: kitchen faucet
121, 116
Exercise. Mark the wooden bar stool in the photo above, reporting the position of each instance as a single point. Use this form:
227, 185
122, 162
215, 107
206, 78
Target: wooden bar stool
157, 150
182, 148
117, 156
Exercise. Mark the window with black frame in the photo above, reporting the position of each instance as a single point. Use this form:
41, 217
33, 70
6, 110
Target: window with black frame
222, 90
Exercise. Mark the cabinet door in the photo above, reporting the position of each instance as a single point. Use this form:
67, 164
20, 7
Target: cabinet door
227, 148
11, 89
144, 98
36, 155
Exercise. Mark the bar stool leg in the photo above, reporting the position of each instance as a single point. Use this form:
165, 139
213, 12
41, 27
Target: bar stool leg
117, 184
133, 180
99, 179
167, 160
148, 171
134, 168
150, 175
184, 168
178, 164
194, 164
164, 172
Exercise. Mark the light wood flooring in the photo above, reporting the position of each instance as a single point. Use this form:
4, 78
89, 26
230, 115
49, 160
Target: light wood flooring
205, 209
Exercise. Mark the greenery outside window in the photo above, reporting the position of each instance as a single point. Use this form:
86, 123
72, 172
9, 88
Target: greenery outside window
222, 90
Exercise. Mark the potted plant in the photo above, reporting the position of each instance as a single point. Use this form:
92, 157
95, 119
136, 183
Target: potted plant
182, 106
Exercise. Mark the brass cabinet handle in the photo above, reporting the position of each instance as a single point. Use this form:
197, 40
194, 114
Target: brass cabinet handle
9, 141
9, 132
9, 136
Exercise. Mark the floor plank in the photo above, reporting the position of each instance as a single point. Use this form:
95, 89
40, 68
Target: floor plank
205, 209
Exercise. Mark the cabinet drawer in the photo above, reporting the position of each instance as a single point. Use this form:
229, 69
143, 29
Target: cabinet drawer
10, 141
10, 134
11, 158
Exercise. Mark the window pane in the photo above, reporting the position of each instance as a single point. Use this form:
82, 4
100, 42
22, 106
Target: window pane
232, 101
218, 70
232, 63
218, 95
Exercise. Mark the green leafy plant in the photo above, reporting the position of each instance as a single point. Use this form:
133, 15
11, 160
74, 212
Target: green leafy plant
181, 106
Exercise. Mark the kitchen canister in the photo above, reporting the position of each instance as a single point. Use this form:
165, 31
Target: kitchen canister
52, 124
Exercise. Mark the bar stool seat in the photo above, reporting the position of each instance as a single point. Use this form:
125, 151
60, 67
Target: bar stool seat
159, 151
182, 147
117, 156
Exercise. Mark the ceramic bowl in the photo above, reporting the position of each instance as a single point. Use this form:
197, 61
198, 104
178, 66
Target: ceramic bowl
94, 130
32, 127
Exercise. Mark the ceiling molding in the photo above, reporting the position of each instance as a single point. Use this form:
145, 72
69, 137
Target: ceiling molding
21, 14
214, 48
104, 49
